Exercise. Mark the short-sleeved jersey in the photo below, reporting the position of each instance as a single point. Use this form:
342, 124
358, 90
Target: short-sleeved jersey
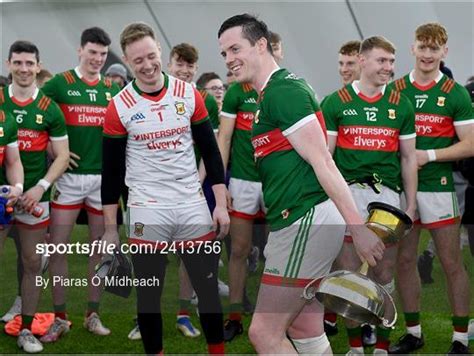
39, 120
240, 104
368, 132
160, 163
83, 104
439, 107
8, 136
290, 186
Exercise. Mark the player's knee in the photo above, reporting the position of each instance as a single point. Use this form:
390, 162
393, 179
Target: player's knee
259, 335
31, 263
240, 249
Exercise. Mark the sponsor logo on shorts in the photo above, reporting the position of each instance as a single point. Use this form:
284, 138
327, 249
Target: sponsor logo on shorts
139, 229
272, 270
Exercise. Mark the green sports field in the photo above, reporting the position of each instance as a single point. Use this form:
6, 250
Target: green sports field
117, 313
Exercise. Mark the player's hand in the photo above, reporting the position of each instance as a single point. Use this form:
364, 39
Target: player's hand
72, 160
421, 158
221, 221
13, 195
31, 198
368, 245
111, 237
411, 212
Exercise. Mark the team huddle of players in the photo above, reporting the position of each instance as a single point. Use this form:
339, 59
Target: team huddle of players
309, 168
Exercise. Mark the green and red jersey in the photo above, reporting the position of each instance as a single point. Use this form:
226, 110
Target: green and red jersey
39, 120
368, 132
240, 104
290, 186
8, 136
440, 107
84, 105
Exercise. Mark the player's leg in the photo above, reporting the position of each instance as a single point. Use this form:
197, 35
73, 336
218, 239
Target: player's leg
447, 239
295, 255
150, 266
246, 205
92, 321
30, 237
185, 294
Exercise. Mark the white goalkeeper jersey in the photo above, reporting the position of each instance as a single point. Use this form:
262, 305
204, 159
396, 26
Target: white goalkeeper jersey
160, 161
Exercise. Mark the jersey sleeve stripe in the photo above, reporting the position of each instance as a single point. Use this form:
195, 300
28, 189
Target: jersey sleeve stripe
13, 144
299, 124
463, 122
2, 116
407, 137
2, 97
59, 138
228, 115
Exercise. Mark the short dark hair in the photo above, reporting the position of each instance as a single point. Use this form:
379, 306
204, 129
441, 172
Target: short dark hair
377, 42
95, 35
185, 52
24, 47
252, 28
206, 78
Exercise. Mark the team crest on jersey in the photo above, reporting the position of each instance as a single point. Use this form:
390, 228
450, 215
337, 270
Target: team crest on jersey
108, 96
444, 181
391, 114
257, 114
1, 132
441, 100
39, 119
139, 229
285, 214
180, 108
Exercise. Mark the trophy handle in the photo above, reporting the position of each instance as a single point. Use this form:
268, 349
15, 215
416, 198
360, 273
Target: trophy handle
390, 323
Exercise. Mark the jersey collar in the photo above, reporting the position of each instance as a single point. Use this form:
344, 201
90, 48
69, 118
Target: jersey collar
427, 86
81, 77
268, 79
22, 103
373, 99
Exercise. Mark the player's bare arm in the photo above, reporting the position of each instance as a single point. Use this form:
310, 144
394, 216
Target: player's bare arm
224, 138
14, 172
60, 150
409, 169
309, 142
460, 150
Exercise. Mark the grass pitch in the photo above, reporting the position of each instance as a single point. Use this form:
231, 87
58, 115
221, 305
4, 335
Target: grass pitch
117, 313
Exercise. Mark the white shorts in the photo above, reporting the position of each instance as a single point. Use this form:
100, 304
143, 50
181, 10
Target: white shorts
363, 195
436, 209
24, 218
184, 223
305, 250
76, 191
247, 199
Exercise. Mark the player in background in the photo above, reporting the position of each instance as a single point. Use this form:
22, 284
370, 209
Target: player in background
83, 96
371, 134
39, 121
442, 112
